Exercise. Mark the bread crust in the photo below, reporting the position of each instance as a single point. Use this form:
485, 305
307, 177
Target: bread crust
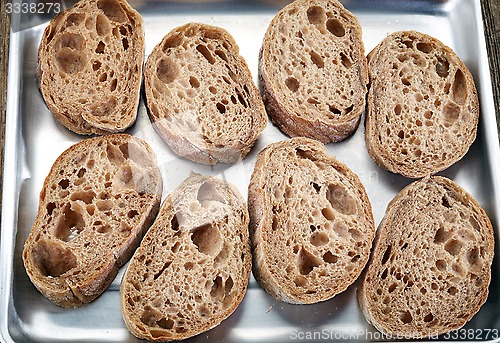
431, 263
311, 223
94, 51
201, 97
97, 201
192, 269
423, 107
306, 106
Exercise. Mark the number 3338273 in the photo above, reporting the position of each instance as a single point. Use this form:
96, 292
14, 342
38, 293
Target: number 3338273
39, 8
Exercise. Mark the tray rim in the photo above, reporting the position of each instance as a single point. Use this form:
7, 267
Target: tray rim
9, 210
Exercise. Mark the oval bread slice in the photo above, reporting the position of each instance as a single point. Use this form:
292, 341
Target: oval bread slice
192, 268
423, 107
201, 96
313, 72
99, 198
90, 66
431, 264
311, 222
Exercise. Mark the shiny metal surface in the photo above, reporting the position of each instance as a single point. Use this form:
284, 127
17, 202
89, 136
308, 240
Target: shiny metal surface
34, 140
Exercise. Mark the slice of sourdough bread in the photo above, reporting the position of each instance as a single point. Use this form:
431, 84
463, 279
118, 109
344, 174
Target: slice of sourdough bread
431, 264
192, 268
90, 66
313, 74
422, 105
311, 223
99, 198
201, 97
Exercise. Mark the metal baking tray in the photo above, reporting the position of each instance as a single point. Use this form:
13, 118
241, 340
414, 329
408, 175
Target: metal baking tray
34, 140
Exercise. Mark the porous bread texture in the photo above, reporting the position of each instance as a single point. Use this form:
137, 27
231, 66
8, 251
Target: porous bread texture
192, 268
313, 74
423, 107
99, 198
431, 264
201, 97
90, 66
311, 223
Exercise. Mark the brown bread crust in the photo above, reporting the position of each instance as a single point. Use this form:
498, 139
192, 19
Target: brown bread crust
90, 66
192, 269
423, 107
311, 223
431, 263
313, 74
99, 198
201, 97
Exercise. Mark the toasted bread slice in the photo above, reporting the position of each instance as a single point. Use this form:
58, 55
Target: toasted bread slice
192, 268
311, 222
201, 97
90, 66
423, 107
431, 264
313, 73
99, 198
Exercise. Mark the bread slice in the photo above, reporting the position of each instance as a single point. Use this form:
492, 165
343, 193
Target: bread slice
99, 198
422, 105
311, 222
201, 97
192, 268
431, 263
90, 66
313, 72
